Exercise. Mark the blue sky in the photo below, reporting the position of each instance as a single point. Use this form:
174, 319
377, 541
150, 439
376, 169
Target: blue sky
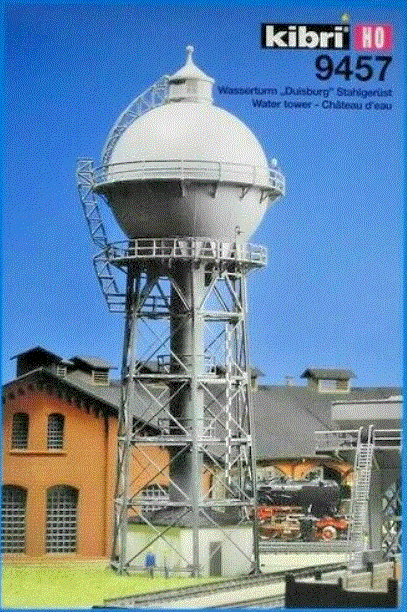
331, 295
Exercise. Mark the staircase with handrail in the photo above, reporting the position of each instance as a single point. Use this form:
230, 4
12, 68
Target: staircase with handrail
359, 499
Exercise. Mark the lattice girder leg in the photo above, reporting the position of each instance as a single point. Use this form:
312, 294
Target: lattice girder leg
392, 520
186, 384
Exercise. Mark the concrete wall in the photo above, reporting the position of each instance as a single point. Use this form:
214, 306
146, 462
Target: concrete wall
236, 551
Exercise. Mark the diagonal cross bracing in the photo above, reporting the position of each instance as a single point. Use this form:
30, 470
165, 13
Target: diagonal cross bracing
192, 402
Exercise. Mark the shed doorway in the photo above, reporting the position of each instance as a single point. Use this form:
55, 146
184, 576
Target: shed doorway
215, 558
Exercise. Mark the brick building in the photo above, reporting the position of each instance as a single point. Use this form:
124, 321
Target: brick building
59, 448
59, 457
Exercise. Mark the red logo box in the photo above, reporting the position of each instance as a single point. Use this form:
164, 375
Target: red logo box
373, 37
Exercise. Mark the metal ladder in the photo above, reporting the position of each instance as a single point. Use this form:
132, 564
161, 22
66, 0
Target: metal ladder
359, 500
104, 273
154, 96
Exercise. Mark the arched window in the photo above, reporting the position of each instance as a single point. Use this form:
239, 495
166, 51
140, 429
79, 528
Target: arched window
61, 535
14, 501
55, 431
19, 435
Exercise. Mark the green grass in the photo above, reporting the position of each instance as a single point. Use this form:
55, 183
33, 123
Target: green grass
73, 586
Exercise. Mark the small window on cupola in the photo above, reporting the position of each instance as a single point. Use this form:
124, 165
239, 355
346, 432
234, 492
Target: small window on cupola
100, 377
61, 371
192, 86
327, 384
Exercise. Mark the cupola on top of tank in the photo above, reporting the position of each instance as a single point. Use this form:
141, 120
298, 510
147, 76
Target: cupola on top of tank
188, 168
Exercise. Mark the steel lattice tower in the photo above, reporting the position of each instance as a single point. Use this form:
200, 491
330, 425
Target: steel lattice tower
185, 442
195, 295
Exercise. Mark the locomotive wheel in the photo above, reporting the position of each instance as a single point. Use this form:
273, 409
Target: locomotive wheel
329, 533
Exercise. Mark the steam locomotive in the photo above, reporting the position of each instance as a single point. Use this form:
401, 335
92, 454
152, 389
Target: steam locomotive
317, 497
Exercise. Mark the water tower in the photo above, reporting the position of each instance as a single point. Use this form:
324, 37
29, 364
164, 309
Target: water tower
188, 184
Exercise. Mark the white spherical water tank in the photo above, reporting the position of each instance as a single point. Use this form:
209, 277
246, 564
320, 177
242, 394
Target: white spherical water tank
189, 168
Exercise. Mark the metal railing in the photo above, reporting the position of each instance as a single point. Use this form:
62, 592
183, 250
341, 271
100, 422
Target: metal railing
387, 438
206, 427
362, 469
187, 249
154, 96
202, 170
346, 439
167, 364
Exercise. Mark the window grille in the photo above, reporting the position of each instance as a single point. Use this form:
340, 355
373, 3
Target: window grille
61, 535
13, 519
55, 431
19, 436
154, 492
